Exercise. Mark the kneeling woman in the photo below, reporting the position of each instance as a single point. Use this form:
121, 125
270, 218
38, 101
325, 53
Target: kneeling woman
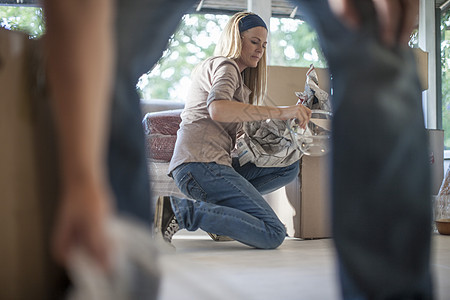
224, 93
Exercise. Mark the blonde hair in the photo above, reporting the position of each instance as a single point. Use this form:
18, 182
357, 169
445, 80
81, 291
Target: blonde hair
230, 46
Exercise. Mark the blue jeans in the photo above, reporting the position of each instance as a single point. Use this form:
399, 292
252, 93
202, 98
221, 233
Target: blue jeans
380, 170
143, 28
228, 201
380, 180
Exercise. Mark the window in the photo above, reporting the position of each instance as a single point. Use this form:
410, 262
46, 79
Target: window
292, 43
193, 41
28, 19
445, 73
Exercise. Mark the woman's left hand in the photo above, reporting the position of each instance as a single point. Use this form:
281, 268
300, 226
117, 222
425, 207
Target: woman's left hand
299, 112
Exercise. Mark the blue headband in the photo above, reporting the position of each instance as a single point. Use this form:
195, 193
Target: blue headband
250, 21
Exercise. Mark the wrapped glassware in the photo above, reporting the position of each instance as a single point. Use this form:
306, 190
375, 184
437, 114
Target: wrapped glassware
315, 139
442, 205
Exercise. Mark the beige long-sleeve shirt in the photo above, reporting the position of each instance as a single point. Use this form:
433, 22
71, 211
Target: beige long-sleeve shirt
201, 139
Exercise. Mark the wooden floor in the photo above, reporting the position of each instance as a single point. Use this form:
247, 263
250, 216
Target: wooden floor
201, 269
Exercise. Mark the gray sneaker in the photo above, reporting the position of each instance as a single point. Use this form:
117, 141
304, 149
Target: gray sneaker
165, 221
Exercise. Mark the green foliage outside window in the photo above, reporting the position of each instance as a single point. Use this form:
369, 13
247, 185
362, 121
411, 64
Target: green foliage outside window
445, 67
190, 44
27, 19
291, 43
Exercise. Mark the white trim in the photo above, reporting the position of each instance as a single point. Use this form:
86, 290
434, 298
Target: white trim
445, 5
264, 9
427, 34
294, 12
447, 154
200, 6
261, 7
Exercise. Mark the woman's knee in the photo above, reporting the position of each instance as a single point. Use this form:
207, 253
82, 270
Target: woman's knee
276, 238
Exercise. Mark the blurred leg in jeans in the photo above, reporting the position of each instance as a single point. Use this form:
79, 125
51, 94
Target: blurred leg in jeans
380, 178
143, 29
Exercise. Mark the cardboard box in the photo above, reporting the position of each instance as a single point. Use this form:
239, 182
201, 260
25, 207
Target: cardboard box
28, 180
314, 205
304, 205
436, 150
309, 197
283, 82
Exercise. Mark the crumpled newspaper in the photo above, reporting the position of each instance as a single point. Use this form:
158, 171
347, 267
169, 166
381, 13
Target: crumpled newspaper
313, 97
267, 143
270, 143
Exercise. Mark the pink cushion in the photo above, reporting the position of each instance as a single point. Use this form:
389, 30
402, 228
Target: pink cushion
161, 133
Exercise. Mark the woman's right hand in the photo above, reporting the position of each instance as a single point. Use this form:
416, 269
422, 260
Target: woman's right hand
299, 112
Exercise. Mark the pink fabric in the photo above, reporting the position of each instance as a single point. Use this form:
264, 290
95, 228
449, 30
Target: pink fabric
161, 133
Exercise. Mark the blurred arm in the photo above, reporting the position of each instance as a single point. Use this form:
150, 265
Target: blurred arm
397, 18
79, 49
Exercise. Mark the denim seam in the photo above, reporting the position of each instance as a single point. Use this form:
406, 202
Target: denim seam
176, 211
270, 179
233, 185
211, 170
197, 185
232, 216
228, 181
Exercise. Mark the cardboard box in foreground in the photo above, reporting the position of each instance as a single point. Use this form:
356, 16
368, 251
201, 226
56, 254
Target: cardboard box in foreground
28, 180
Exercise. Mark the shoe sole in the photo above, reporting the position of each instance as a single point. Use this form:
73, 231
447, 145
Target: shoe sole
219, 238
157, 223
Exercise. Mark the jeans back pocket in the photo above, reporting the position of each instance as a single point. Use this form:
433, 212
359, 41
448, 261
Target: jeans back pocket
189, 186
